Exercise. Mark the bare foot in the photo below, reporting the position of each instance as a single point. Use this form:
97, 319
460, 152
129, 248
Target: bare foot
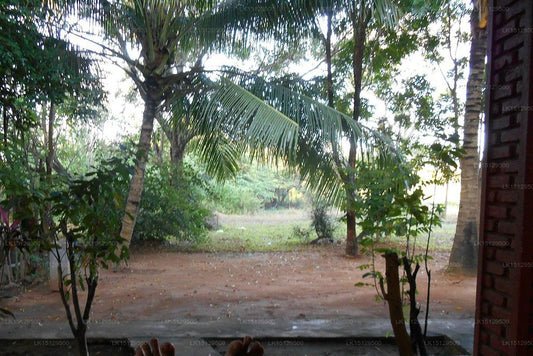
153, 349
245, 348
235, 348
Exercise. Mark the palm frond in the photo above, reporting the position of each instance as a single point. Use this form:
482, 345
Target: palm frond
322, 131
232, 21
274, 122
246, 118
386, 12
316, 120
219, 155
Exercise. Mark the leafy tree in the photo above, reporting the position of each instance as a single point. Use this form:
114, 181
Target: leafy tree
41, 76
152, 27
395, 205
372, 39
445, 45
164, 32
89, 211
442, 46
36, 67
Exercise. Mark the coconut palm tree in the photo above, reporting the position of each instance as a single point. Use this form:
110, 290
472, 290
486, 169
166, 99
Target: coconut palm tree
319, 149
464, 251
150, 39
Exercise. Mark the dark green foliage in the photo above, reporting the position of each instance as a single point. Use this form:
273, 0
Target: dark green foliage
391, 201
171, 207
35, 68
88, 211
21, 197
323, 224
20, 190
256, 187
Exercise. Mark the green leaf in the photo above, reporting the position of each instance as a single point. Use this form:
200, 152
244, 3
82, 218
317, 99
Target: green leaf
361, 284
81, 283
370, 274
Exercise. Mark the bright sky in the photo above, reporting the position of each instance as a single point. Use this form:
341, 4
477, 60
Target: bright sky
126, 117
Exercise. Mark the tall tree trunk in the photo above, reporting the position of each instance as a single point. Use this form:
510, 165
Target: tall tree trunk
49, 140
352, 247
179, 138
330, 91
360, 23
464, 251
351, 244
178, 143
136, 185
394, 300
47, 125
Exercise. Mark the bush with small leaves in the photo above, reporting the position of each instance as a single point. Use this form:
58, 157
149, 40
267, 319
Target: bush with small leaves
88, 211
322, 222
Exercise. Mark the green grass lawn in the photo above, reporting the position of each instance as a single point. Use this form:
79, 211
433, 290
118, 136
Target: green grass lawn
260, 238
441, 238
289, 236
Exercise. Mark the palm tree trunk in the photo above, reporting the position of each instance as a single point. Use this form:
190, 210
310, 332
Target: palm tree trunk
136, 186
464, 251
330, 90
178, 143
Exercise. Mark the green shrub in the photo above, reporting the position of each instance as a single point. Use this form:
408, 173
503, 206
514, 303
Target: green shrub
301, 233
232, 199
171, 206
258, 187
323, 224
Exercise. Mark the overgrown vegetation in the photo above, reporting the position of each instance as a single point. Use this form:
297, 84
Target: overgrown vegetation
173, 203
227, 140
88, 211
258, 187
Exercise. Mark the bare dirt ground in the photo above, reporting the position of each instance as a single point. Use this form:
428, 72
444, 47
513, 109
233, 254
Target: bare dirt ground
313, 283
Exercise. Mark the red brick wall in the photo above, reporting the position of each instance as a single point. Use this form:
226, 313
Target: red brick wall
504, 317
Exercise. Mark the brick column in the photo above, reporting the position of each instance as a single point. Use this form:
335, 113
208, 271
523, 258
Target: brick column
504, 315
